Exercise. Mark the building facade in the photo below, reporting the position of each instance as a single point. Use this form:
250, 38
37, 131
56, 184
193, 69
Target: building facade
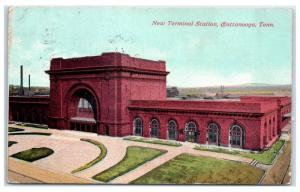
118, 95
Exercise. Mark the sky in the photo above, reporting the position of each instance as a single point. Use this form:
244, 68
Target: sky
196, 56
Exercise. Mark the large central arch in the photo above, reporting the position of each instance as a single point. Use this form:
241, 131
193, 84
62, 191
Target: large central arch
82, 120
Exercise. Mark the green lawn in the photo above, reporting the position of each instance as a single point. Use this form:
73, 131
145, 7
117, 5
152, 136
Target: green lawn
154, 141
14, 129
33, 154
97, 159
135, 156
33, 125
10, 143
264, 157
188, 169
31, 133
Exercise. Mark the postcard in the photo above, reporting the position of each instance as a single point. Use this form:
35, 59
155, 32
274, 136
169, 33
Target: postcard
150, 95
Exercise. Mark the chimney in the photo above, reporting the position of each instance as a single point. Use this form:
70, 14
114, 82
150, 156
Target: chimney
21, 90
29, 82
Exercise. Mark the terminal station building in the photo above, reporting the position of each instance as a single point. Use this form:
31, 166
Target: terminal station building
118, 95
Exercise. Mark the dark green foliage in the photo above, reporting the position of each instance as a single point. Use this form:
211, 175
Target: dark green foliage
33, 154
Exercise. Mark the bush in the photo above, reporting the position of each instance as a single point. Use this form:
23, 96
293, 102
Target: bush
156, 141
33, 154
30, 133
97, 159
40, 126
14, 129
10, 143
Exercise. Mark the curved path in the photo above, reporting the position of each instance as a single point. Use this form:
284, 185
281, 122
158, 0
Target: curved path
115, 153
71, 153
68, 155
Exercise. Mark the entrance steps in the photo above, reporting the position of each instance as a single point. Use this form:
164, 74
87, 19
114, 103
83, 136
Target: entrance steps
253, 162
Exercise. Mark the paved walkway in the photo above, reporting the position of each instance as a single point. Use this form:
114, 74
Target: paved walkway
68, 155
42, 175
116, 150
13, 177
67, 146
145, 168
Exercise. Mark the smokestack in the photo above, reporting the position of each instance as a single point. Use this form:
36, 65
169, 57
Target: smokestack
29, 82
21, 91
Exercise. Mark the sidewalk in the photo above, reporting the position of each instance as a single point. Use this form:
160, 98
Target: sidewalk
42, 175
116, 150
145, 168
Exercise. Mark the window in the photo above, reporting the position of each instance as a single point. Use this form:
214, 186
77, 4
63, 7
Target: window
84, 105
138, 126
274, 127
172, 130
191, 126
191, 132
154, 128
236, 136
213, 133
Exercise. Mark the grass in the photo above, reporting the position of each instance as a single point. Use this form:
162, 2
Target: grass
188, 169
154, 141
14, 129
33, 154
31, 133
277, 173
135, 156
97, 159
217, 150
264, 157
33, 125
10, 143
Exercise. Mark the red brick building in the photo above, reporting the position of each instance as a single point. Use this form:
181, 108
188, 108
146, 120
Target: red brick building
118, 95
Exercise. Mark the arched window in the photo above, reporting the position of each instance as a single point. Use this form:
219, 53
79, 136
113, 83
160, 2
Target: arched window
270, 130
274, 127
138, 126
213, 134
237, 138
84, 105
191, 132
172, 130
265, 134
154, 128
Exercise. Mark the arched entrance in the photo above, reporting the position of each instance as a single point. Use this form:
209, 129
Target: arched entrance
213, 134
154, 128
82, 111
138, 126
191, 132
237, 136
172, 130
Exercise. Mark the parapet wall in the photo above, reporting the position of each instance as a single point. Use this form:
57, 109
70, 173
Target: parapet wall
281, 100
216, 106
107, 60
